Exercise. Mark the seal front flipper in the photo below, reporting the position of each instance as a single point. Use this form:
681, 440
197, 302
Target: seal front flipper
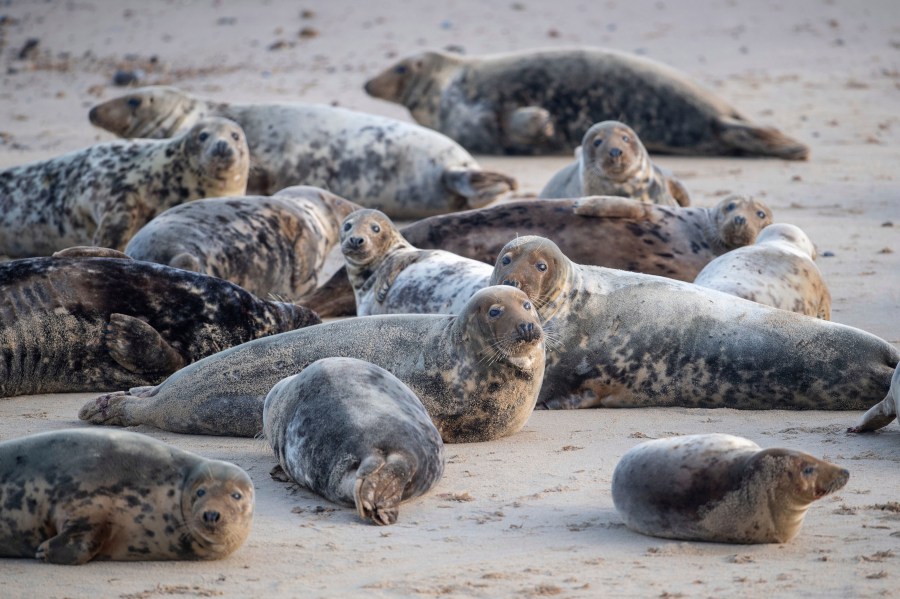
379, 487
476, 187
77, 543
278, 473
678, 192
744, 138
528, 126
186, 261
138, 347
613, 207
117, 225
89, 251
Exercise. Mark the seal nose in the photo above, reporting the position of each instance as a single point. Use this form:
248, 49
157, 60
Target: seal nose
211, 517
356, 242
511, 283
221, 149
615, 152
739, 220
526, 331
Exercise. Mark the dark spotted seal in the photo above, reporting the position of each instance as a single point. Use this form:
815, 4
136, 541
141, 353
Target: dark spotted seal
884, 412
719, 488
612, 161
778, 270
622, 339
81, 323
103, 194
404, 170
355, 434
77, 495
542, 101
390, 276
478, 373
267, 245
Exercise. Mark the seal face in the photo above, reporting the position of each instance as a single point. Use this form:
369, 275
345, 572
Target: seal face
404, 170
354, 433
77, 495
390, 276
778, 271
719, 488
478, 374
103, 194
612, 161
542, 102
626, 339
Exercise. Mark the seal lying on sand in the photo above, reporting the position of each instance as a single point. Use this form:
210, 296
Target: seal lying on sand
478, 374
103, 194
403, 170
778, 270
354, 433
719, 488
542, 102
77, 495
81, 323
390, 276
884, 412
267, 245
624, 339
612, 161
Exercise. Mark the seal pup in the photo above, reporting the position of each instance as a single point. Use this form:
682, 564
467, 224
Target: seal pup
719, 488
404, 170
882, 413
77, 495
612, 161
624, 339
390, 276
542, 102
477, 373
777, 270
267, 245
101, 195
355, 434
75, 322
603, 231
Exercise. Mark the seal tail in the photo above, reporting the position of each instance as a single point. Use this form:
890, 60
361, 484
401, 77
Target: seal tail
379, 487
744, 138
476, 187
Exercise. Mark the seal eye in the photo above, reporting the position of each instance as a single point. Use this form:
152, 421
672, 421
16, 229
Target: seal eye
347, 226
235, 136
201, 492
203, 136
625, 138
527, 305
809, 470
541, 266
236, 496
760, 214
730, 207
376, 229
505, 260
598, 142
495, 312
134, 102
400, 69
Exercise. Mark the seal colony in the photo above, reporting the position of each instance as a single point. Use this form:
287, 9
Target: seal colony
355, 434
719, 488
73, 496
101, 195
404, 170
543, 101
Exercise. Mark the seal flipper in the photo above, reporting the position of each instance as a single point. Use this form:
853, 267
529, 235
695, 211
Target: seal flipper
186, 261
111, 408
379, 487
476, 187
278, 473
612, 207
745, 138
77, 543
678, 192
138, 347
528, 126
117, 225
89, 251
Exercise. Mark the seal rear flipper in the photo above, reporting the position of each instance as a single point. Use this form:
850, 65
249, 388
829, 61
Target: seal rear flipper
747, 139
278, 473
78, 543
186, 261
108, 409
476, 187
89, 251
878, 416
528, 126
612, 207
139, 348
379, 487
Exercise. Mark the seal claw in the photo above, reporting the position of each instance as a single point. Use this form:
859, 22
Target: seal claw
379, 488
106, 409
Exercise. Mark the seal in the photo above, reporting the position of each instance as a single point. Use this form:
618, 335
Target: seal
612, 161
477, 373
402, 169
72, 496
267, 245
73, 322
884, 412
101, 195
719, 488
542, 102
355, 434
623, 339
390, 276
778, 270
604, 231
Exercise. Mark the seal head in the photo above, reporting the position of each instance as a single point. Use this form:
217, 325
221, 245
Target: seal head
612, 151
217, 151
217, 507
538, 267
737, 220
151, 112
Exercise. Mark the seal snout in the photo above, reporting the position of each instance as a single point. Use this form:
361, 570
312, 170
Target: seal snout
615, 152
739, 220
355, 242
211, 516
528, 332
222, 149
512, 283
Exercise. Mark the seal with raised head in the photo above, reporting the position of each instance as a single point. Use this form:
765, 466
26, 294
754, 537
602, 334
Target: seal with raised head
884, 412
603, 231
719, 488
91, 318
477, 373
542, 102
77, 495
355, 434
612, 161
404, 170
267, 245
390, 276
103, 194
777, 270
624, 339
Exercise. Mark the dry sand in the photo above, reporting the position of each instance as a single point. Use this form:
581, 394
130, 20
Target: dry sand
529, 515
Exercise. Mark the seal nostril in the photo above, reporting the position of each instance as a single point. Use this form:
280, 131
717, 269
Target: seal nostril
511, 283
221, 148
615, 152
357, 242
740, 220
211, 516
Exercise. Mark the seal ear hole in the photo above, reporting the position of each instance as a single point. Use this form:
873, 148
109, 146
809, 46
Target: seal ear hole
203, 136
376, 229
598, 142
201, 492
505, 260
495, 311
541, 266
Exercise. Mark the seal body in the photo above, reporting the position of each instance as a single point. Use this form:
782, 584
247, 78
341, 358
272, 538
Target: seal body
103, 194
267, 245
390, 276
402, 169
630, 340
355, 434
884, 412
612, 161
778, 270
478, 373
543, 101
719, 488
77, 495
81, 324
